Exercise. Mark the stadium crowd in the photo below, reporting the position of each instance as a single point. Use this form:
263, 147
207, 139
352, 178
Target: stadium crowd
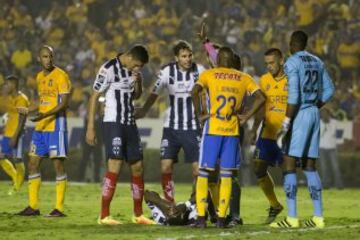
84, 33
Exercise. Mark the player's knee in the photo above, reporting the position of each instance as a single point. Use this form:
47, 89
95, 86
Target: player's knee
309, 165
195, 171
114, 165
137, 169
33, 165
166, 167
260, 169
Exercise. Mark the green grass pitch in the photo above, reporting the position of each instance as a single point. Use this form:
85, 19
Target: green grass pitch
342, 211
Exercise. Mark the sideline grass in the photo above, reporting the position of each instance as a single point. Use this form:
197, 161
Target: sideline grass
342, 211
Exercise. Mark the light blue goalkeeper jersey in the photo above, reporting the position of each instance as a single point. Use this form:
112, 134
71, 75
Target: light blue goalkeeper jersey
308, 80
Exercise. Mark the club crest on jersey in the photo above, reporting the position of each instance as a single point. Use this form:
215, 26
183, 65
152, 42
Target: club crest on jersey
50, 83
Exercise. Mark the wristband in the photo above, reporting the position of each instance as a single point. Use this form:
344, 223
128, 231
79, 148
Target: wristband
286, 123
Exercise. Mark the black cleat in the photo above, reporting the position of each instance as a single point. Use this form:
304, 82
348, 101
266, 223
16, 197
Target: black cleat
273, 212
56, 213
199, 223
221, 223
28, 211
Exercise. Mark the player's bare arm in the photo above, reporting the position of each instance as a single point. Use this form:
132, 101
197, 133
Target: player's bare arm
142, 111
196, 96
60, 107
138, 85
202, 34
90, 128
258, 103
258, 118
14, 139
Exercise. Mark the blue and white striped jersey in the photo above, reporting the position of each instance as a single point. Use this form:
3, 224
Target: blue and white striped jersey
180, 113
118, 85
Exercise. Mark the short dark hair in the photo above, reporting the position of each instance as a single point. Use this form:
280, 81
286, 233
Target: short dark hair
181, 44
299, 38
140, 53
273, 51
13, 78
237, 62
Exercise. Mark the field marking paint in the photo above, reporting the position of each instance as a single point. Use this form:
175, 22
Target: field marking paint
258, 233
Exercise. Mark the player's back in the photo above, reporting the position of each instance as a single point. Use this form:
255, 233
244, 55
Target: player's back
309, 82
226, 89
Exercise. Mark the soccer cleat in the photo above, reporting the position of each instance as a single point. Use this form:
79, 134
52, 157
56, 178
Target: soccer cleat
142, 220
108, 221
56, 213
288, 222
28, 211
232, 222
200, 222
273, 212
315, 222
221, 223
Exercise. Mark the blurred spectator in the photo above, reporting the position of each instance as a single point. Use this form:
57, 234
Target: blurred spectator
329, 166
22, 57
82, 31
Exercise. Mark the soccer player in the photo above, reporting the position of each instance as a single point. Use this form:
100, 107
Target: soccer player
50, 136
309, 88
181, 129
234, 214
226, 88
267, 153
12, 142
121, 82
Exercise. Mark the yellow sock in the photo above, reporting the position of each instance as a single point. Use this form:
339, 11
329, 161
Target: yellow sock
267, 185
9, 169
214, 190
20, 174
34, 186
201, 193
225, 194
60, 192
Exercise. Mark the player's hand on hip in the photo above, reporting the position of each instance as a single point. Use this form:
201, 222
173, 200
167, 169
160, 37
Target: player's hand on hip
38, 117
202, 119
139, 113
243, 118
90, 137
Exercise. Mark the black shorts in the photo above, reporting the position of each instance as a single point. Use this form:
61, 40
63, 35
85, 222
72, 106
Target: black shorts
122, 142
173, 140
